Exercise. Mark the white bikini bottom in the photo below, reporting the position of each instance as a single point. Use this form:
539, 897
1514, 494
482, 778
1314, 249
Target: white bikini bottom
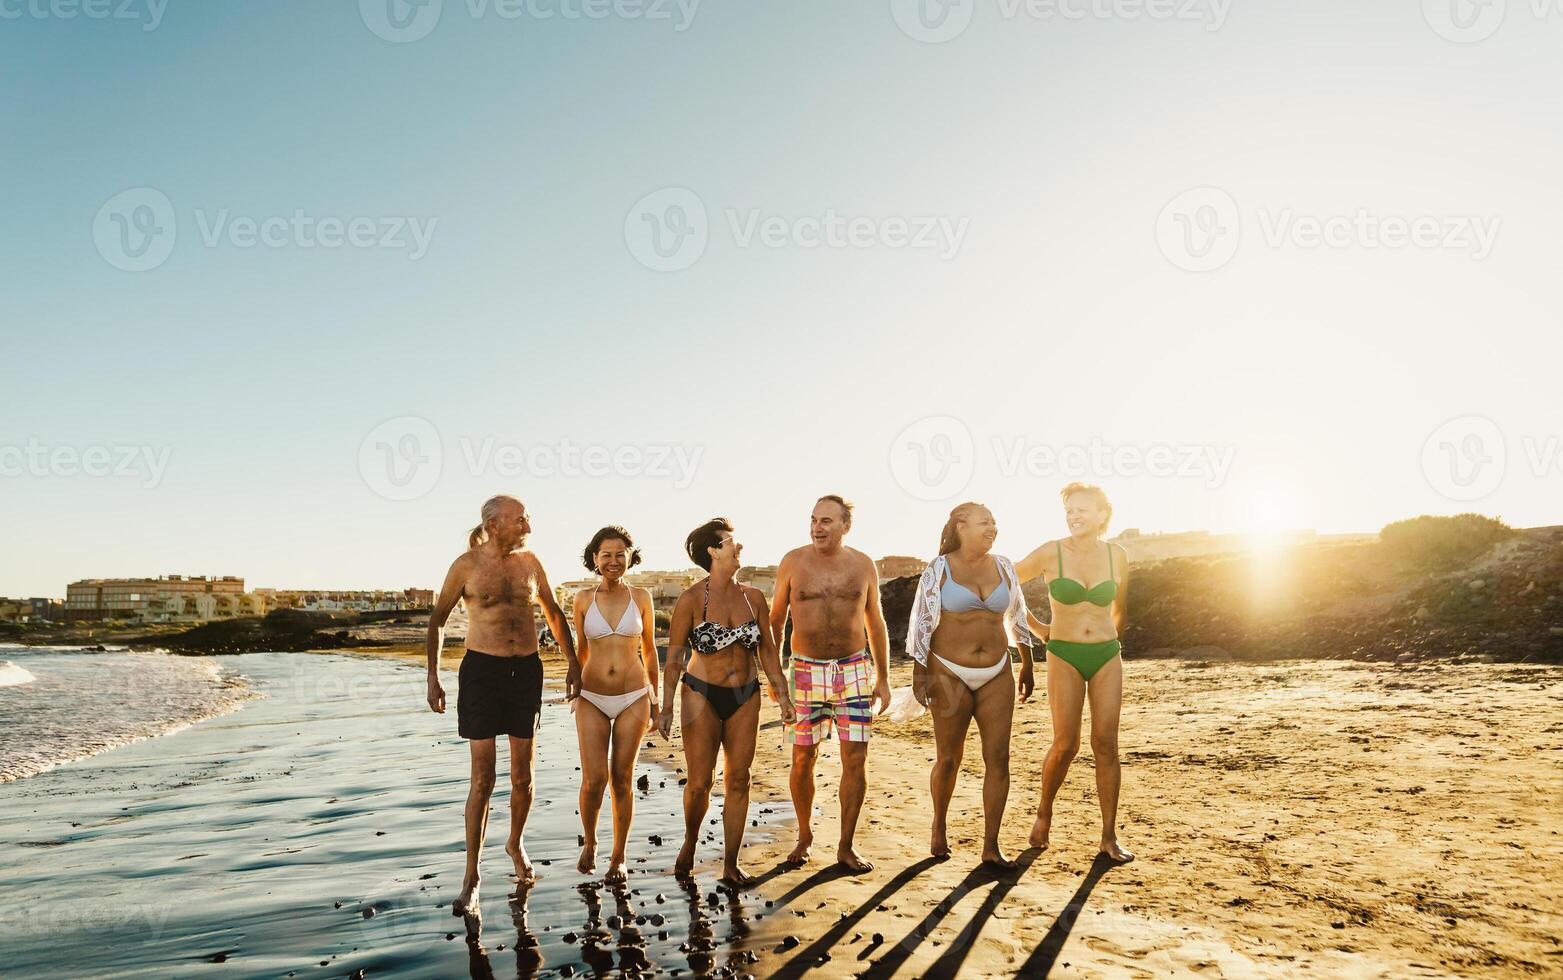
613, 705
975, 677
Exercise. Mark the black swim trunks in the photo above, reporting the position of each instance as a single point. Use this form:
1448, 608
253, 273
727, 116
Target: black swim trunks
499, 695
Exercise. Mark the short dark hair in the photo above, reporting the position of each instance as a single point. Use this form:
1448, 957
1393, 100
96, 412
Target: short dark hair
707, 535
839, 501
608, 534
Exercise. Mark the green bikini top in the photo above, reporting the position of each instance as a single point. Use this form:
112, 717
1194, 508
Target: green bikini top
1072, 593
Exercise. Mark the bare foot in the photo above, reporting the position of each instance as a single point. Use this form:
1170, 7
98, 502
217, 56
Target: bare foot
1040, 828
1112, 849
686, 859
588, 862
939, 846
800, 854
852, 861
994, 859
617, 873
526, 874
466, 903
736, 877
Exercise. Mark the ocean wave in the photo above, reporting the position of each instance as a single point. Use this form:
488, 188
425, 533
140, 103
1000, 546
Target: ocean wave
72, 707
13, 676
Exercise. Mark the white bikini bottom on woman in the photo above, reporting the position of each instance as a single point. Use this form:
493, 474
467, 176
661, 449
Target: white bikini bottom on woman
974, 677
613, 705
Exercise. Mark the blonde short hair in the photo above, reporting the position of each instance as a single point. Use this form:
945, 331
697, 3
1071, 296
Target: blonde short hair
1095, 491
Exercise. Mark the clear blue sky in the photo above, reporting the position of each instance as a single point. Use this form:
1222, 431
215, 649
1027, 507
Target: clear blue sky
525, 143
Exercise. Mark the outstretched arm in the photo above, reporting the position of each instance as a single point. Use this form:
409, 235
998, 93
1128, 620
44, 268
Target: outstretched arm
1121, 603
678, 648
1033, 564
648, 640
781, 602
878, 637
450, 594
578, 613
770, 663
561, 630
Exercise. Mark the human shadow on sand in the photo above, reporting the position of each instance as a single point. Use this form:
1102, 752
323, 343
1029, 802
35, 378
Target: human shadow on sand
949, 964
808, 958
1041, 961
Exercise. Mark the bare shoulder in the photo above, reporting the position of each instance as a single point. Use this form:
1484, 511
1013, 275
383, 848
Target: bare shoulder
863, 562
460, 570
1120, 553
688, 595
754, 594
532, 568
792, 557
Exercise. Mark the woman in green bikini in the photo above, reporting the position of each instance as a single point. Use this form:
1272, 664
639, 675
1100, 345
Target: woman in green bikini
1083, 659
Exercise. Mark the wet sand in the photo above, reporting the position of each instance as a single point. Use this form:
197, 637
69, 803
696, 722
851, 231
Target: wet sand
1309, 818
317, 832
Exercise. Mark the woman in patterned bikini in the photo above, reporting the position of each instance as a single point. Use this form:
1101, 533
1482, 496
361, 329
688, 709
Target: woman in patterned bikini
1083, 661
720, 700
617, 649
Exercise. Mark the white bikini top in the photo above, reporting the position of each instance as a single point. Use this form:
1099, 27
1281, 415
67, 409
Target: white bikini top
598, 626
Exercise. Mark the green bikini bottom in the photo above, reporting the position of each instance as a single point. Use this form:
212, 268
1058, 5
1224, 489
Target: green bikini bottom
1087, 658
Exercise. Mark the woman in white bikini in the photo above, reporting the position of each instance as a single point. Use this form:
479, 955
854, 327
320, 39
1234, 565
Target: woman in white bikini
967, 613
617, 648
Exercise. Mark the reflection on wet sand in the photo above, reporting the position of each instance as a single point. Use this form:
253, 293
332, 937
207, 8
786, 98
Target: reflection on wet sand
529, 953
702, 945
614, 944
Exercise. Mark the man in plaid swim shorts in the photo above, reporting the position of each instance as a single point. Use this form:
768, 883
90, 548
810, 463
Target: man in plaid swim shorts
833, 594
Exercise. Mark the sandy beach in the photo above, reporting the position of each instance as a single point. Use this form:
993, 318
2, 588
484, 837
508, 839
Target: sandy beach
1306, 818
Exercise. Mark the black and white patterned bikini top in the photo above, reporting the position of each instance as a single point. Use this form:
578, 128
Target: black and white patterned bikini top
709, 637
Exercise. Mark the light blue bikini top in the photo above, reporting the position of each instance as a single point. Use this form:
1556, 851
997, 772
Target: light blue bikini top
962, 599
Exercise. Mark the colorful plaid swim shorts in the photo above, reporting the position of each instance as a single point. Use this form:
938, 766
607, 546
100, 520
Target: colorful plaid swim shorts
832, 693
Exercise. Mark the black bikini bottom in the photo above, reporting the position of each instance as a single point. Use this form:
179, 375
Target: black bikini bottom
725, 700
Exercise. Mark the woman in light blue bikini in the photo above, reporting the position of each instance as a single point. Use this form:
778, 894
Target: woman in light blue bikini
967, 613
1083, 659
